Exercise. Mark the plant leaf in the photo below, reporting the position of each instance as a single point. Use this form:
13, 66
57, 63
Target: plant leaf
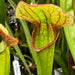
69, 31
46, 24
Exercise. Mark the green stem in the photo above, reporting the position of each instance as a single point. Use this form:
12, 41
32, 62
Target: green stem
44, 67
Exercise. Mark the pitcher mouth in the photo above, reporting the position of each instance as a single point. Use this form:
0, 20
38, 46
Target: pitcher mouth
38, 50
